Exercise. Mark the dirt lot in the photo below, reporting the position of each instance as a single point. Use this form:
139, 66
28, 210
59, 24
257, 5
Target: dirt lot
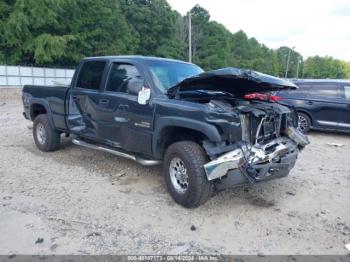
81, 201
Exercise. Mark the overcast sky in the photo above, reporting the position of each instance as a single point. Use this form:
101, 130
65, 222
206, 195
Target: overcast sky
314, 26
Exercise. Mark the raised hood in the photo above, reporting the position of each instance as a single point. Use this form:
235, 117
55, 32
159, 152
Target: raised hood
238, 82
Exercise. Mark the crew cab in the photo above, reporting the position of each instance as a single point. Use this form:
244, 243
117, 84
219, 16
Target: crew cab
210, 130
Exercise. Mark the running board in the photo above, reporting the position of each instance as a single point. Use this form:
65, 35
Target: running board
140, 160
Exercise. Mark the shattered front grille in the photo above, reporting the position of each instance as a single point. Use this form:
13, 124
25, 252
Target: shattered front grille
262, 129
268, 128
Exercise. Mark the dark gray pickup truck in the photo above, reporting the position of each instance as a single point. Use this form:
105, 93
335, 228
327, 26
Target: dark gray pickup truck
211, 130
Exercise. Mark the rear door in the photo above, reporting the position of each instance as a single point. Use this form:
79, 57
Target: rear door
324, 103
84, 97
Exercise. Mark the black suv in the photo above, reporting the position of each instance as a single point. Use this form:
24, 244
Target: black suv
321, 104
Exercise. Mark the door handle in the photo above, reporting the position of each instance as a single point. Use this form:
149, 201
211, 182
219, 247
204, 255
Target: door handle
121, 119
123, 107
75, 98
310, 103
103, 102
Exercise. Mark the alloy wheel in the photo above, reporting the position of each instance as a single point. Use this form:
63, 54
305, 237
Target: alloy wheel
41, 133
178, 175
302, 123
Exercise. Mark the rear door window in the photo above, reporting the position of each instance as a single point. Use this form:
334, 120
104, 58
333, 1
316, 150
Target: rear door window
324, 90
90, 75
302, 91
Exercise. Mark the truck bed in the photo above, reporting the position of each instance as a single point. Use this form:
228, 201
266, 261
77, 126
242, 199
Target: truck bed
52, 97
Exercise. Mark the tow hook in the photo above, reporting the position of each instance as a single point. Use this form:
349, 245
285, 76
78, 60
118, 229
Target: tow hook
250, 173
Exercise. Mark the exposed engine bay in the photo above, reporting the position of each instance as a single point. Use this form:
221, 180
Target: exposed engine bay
259, 121
268, 139
260, 138
255, 121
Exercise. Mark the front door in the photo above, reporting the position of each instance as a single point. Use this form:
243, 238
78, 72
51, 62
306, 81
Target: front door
138, 128
126, 123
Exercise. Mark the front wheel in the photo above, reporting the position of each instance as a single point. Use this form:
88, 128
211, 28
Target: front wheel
184, 174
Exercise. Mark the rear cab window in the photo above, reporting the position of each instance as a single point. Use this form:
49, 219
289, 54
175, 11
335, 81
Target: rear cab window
90, 75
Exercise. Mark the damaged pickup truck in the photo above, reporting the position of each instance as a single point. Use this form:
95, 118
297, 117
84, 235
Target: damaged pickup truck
211, 130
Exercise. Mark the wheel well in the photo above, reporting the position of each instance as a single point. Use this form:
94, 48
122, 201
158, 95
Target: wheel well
172, 134
306, 113
37, 109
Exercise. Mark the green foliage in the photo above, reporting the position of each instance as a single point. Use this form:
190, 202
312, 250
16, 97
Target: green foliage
61, 32
213, 49
104, 31
154, 23
326, 67
295, 58
47, 47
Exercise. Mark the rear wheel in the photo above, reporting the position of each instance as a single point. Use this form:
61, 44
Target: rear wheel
184, 174
304, 122
45, 136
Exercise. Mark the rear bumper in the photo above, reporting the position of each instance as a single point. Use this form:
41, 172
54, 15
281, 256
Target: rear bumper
251, 164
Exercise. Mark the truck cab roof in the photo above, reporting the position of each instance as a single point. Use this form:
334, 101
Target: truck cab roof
136, 58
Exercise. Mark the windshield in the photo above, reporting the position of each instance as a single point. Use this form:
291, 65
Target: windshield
167, 74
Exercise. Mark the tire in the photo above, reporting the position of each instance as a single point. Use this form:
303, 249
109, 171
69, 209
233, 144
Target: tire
304, 122
192, 189
46, 138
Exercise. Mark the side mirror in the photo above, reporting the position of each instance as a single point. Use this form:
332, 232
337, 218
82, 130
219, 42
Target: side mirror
135, 86
144, 95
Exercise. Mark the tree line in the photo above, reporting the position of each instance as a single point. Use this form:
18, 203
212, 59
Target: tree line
62, 32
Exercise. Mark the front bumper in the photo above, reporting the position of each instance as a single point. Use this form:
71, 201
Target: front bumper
25, 115
250, 164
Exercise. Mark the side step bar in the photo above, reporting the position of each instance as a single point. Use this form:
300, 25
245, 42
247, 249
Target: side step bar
140, 160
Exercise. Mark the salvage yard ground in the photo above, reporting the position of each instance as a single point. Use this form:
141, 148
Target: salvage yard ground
81, 201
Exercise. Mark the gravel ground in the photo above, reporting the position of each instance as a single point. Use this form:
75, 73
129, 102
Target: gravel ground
80, 201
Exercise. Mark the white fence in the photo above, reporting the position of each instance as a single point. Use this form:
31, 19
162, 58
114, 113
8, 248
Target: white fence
22, 75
